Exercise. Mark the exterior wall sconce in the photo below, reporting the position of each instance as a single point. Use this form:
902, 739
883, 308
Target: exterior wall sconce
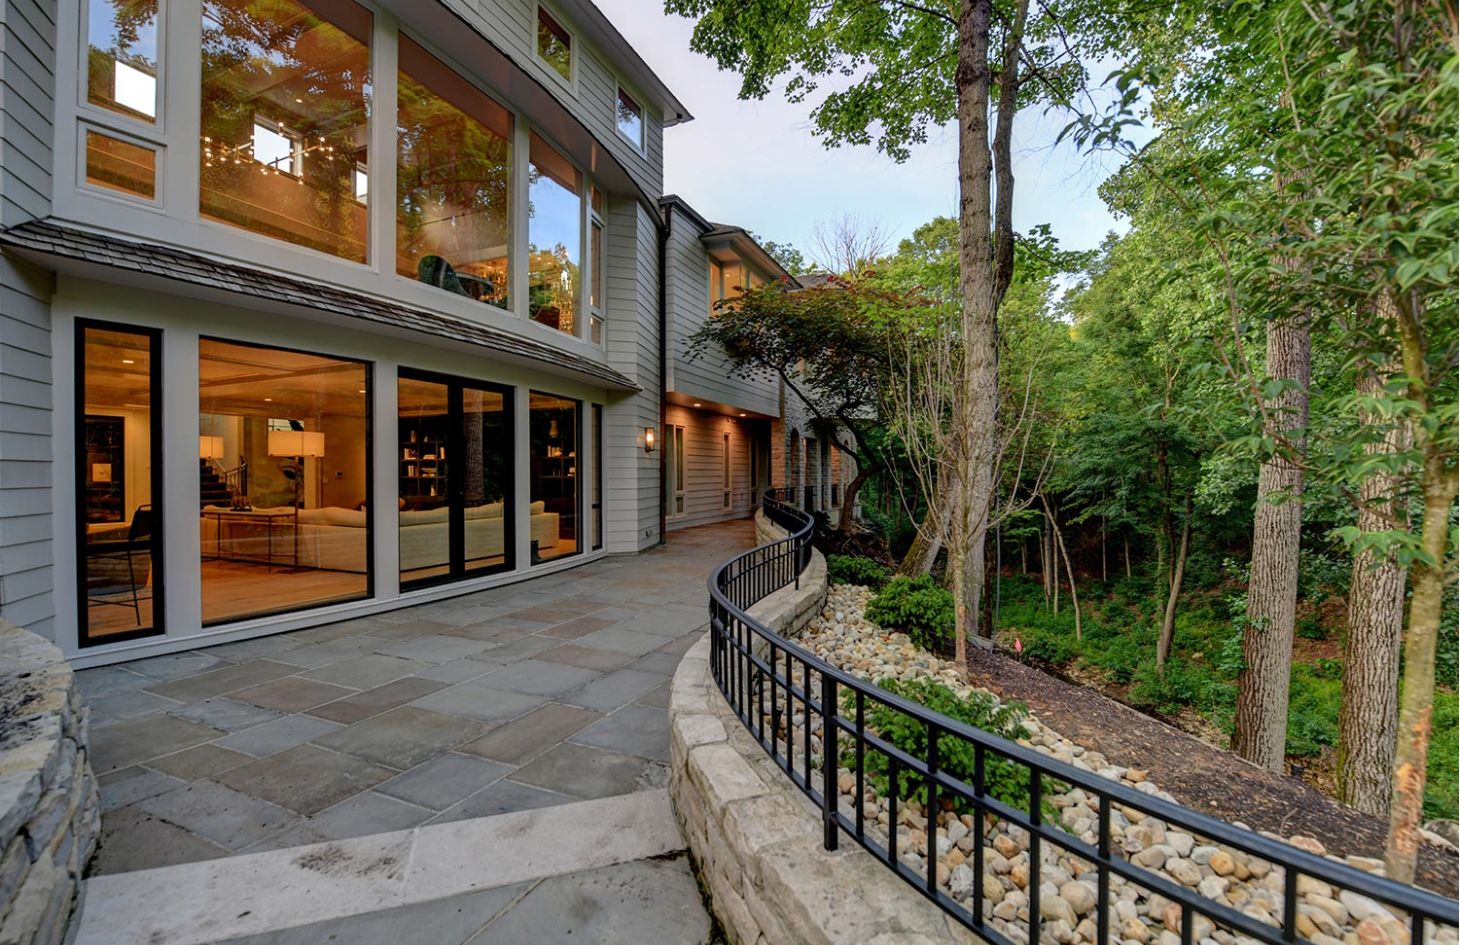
648, 439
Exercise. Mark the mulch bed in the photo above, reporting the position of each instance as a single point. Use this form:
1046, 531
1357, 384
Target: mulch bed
1204, 778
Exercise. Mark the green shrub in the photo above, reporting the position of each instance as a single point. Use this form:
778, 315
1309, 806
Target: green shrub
1311, 627
918, 607
1313, 700
1440, 785
1005, 780
855, 569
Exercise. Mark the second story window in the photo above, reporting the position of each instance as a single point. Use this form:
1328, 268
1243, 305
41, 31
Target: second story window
554, 45
554, 238
453, 181
630, 119
285, 120
121, 52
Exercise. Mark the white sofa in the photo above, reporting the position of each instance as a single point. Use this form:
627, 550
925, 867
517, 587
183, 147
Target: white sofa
333, 538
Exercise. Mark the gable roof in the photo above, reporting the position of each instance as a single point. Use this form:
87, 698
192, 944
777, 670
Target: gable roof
50, 238
725, 234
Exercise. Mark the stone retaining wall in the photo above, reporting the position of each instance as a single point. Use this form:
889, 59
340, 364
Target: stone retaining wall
49, 814
755, 839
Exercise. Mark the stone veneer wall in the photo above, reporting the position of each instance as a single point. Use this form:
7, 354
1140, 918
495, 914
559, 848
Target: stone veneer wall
755, 839
49, 813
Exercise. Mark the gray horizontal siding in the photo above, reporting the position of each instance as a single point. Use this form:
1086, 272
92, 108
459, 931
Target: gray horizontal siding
706, 376
27, 94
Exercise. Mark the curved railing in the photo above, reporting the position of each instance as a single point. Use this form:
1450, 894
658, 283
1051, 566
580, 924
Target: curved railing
787, 698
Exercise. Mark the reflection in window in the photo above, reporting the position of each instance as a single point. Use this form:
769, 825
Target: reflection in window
553, 441
286, 98
453, 181
554, 45
455, 479
120, 165
282, 464
120, 478
121, 71
630, 119
554, 238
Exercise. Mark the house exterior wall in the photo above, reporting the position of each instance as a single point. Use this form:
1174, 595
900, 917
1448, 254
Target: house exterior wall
706, 376
704, 491
27, 93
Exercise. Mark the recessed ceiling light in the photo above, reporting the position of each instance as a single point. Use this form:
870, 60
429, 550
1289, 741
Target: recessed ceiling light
268, 400
699, 405
742, 414
360, 391
128, 361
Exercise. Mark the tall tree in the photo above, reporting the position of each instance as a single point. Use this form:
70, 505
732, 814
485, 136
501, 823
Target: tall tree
919, 65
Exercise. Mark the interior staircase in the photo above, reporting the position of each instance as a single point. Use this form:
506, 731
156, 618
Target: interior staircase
214, 490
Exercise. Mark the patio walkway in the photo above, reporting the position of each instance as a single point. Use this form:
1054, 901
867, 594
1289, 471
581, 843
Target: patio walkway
542, 693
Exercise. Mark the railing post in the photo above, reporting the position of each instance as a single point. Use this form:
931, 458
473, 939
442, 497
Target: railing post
828, 761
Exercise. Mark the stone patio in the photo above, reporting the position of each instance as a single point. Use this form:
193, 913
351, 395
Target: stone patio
545, 692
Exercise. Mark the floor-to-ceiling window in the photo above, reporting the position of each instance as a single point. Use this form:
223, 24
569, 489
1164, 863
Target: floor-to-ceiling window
674, 471
118, 482
285, 120
284, 447
554, 481
453, 181
456, 447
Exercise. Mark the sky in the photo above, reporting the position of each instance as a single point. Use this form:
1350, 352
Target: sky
758, 165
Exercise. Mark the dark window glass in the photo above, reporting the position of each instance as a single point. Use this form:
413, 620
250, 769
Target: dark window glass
456, 513
554, 496
597, 476
554, 44
119, 483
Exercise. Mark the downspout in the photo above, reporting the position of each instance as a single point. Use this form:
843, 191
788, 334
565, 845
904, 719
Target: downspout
663, 361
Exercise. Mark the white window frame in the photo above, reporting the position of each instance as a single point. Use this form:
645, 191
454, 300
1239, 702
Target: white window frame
641, 146
159, 174
571, 80
593, 219
153, 130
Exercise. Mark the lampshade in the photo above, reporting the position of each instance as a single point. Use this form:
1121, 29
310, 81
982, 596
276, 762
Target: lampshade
210, 447
296, 443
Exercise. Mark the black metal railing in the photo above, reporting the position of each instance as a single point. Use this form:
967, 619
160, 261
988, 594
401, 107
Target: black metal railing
790, 701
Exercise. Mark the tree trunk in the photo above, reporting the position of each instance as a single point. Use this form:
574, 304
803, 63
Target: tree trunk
927, 541
1127, 555
1104, 560
1368, 715
1272, 592
1069, 571
1428, 576
1024, 556
1168, 623
849, 500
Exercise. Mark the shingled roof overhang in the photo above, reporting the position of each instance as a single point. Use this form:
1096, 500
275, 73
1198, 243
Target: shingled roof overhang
47, 241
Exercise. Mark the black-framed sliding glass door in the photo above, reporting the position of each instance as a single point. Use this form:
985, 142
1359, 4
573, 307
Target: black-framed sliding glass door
555, 486
456, 488
118, 482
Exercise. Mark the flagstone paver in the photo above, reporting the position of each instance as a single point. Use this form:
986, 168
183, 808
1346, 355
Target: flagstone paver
520, 697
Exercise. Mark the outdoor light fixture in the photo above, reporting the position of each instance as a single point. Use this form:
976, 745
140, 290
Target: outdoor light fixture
648, 439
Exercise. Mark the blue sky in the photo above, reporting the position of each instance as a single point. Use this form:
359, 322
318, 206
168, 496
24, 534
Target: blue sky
757, 164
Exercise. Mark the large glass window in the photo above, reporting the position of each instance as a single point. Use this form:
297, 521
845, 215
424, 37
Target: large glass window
453, 181
674, 471
555, 238
119, 477
121, 57
554, 497
283, 460
455, 478
554, 44
285, 124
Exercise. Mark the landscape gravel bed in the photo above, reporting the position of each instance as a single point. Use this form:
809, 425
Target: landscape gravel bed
842, 636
